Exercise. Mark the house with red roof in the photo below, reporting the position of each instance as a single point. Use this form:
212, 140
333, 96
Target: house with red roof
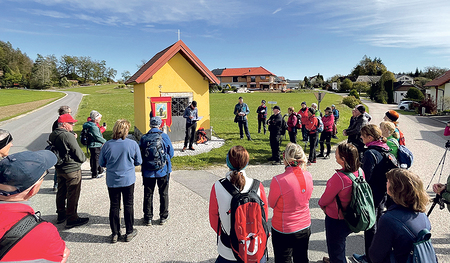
178, 73
254, 78
438, 88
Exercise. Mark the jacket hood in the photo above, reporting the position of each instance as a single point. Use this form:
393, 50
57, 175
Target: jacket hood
88, 124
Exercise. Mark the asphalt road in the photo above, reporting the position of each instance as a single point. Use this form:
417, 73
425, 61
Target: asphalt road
31, 131
188, 237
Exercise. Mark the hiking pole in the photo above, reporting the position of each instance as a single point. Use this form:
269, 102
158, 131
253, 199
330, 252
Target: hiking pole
441, 163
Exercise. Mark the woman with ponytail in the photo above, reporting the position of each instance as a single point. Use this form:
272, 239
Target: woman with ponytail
289, 197
220, 200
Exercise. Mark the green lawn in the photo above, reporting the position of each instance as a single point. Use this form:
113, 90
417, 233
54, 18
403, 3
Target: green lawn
114, 104
17, 96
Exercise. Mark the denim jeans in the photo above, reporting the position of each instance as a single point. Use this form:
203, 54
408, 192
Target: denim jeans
336, 232
163, 187
293, 246
128, 208
69, 187
243, 125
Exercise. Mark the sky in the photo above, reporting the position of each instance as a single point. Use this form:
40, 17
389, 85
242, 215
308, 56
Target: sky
289, 38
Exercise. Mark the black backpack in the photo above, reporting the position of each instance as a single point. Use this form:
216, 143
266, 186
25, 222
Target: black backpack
85, 136
284, 127
54, 150
153, 152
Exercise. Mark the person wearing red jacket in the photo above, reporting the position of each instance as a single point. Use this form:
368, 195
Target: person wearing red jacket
292, 125
336, 229
303, 113
289, 197
311, 126
325, 136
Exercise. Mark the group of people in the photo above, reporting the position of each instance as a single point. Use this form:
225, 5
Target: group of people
21, 175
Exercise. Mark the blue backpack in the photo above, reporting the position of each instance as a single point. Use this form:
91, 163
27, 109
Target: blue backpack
422, 250
405, 157
319, 125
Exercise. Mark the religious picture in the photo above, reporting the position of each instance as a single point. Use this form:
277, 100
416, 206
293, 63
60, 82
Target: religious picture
161, 110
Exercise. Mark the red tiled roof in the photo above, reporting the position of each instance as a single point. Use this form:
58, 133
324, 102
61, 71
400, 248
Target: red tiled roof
161, 58
439, 80
235, 72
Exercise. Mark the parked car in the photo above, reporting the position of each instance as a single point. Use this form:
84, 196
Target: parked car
405, 105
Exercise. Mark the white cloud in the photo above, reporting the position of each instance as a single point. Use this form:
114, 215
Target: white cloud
276, 11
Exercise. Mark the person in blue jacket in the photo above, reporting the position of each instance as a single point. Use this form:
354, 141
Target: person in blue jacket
241, 110
151, 177
120, 155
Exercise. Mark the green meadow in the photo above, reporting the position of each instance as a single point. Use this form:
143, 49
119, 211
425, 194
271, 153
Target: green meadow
17, 96
114, 104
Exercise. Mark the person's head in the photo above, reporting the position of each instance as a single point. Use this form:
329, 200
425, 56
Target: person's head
303, 104
291, 110
5, 142
333, 107
348, 157
293, 155
237, 160
193, 104
95, 116
21, 174
328, 111
155, 122
241, 100
388, 129
263, 102
276, 109
121, 129
66, 121
392, 116
311, 111
406, 189
371, 133
314, 106
64, 110
359, 110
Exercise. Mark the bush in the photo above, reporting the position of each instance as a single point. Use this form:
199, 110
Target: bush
429, 105
414, 94
351, 101
354, 93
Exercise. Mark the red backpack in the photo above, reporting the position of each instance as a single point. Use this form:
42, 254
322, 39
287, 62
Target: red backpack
249, 229
401, 140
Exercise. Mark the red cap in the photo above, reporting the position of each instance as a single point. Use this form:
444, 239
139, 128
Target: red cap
66, 118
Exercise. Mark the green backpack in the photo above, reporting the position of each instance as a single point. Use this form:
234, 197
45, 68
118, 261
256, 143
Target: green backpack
360, 213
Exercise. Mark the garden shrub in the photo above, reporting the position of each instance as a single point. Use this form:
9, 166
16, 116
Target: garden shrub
354, 93
351, 101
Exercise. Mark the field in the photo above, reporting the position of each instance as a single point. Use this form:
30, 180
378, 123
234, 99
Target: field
14, 102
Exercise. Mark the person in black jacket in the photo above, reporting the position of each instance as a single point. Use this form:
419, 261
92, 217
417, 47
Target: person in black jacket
354, 130
262, 116
275, 128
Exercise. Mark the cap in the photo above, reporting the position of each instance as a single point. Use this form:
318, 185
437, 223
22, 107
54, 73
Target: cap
276, 107
332, 105
361, 108
155, 121
263, 101
304, 102
66, 118
94, 115
392, 115
22, 170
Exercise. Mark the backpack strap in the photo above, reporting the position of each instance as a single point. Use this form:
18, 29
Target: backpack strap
17, 232
353, 178
231, 189
255, 186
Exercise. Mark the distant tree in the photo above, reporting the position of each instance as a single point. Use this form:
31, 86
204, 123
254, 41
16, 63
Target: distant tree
386, 84
85, 68
354, 93
346, 85
143, 62
307, 82
361, 87
414, 94
370, 67
421, 81
111, 74
67, 65
126, 75
417, 73
433, 72
44, 72
15, 65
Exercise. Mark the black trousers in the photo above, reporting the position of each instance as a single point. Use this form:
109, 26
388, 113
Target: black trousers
128, 208
275, 141
305, 134
291, 246
69, 188
243, 126
163, 188
325, 137
312, 146
262, 122
190, 134
293, 137
95, 165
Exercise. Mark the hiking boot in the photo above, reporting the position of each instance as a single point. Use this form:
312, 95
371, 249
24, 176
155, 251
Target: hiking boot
98, 176
129, 237
360, 258
61, 218
327, 156
115, 238
314, 161
326, 260
320, 155
147, 222
79, 222
162, 221
183, 150
250, 139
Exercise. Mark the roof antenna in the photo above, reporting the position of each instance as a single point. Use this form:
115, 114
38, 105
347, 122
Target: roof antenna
178, 35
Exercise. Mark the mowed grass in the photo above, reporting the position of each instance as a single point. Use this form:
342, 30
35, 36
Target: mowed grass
115, 104
18, 96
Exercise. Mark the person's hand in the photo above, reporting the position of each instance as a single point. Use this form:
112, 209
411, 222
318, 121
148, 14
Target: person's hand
76, 135
344, 132
105, 126
448, 124
191, 117
65, 255
438, 188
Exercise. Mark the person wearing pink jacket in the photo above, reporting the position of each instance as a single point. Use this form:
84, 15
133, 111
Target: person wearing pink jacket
289, 197
325, 136
336, 229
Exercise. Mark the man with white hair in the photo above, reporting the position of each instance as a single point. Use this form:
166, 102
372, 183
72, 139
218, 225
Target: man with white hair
95, 142
5, 143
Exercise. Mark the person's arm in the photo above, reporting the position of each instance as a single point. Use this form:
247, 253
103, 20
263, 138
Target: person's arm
247, 109
186, 113
213, 210
236, 109
381, 247
262, 195
356, 127
73, 148
66, 255
96, 135
137, 154
334, 186
102, 158
169, 147
368, 164
274, 193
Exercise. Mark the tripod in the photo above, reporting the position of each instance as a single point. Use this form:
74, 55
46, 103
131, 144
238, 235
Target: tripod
438, 198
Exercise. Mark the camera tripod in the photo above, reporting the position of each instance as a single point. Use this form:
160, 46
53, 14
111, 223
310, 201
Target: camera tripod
438, 198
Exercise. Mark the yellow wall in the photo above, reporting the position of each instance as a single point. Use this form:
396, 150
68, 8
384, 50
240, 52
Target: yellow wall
177, 75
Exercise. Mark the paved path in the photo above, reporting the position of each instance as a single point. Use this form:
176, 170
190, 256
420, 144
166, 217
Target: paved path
187, 237
31, 131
